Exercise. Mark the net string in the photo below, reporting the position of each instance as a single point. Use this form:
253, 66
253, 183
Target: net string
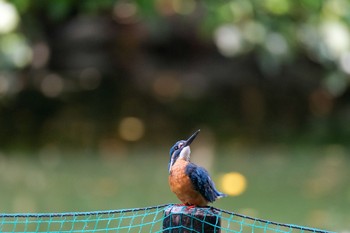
267, 222
132, 220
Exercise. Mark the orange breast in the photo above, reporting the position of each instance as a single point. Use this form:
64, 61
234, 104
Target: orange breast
182, 186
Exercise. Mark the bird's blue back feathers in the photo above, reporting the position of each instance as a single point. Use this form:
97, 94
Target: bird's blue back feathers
202, 182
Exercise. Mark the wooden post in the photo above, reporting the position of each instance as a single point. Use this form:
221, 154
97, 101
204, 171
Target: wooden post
181, 219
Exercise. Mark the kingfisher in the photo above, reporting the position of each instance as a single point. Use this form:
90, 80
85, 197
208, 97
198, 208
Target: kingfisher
190, 182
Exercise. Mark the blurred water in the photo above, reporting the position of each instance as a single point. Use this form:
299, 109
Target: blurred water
305, 186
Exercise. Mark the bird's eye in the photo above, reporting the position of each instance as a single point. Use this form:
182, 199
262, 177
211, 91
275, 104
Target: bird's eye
176, 147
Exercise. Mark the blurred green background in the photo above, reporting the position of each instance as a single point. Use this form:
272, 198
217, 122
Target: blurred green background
94, 93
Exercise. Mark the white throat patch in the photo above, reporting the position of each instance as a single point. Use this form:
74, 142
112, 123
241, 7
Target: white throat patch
185, 153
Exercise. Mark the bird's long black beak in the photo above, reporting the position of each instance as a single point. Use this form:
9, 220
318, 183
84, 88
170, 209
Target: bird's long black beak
190, 139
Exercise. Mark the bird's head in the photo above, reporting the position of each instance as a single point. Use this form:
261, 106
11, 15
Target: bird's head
181, 150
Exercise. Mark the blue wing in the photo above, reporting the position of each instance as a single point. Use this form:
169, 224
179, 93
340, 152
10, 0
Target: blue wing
202, 182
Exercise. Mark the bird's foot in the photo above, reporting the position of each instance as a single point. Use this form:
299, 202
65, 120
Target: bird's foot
182, 204
188, 207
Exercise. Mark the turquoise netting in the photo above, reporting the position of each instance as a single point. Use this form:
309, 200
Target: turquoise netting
148, 219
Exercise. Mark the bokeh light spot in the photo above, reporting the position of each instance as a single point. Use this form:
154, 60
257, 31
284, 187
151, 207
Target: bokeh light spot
228, 39
345, 62
9, 17
125, 12
335, 9
233, 183
131, 129
167, 87
165, 7
41, 55
335, 83
184, 7
52, 85
241, 9
278, 7
276, 44
254, 32
16, 49
336, 36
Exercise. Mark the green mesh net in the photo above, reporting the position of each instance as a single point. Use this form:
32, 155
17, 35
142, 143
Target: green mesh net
162, 218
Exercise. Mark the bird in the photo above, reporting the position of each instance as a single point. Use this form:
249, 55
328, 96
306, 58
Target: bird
190, 182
